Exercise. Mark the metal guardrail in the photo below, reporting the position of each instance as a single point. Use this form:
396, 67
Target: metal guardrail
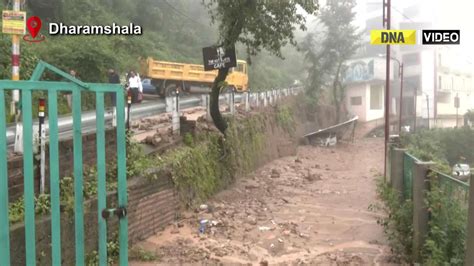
65, 123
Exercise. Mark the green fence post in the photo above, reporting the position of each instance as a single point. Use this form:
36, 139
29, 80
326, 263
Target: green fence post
420, 211
396, 170
101, 178
4, 221
78, 176
28, 177
469, 260
122, 176
54, 177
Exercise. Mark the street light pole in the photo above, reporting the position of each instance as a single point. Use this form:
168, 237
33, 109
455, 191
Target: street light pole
400, 67
386, 21
414, 122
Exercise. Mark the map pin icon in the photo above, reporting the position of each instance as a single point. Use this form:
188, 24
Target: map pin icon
34, 25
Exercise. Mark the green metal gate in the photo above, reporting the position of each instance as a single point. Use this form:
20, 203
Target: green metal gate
74, 86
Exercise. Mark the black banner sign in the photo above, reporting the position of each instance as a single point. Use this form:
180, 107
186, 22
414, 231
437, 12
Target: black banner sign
218, 57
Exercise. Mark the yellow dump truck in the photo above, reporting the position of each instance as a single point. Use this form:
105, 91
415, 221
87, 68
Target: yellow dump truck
168, 77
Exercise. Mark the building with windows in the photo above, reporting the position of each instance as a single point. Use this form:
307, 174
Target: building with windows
364, 79
438, 80
438, 84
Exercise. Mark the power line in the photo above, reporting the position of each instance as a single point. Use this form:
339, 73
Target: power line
183, 15
468, 60
401, 13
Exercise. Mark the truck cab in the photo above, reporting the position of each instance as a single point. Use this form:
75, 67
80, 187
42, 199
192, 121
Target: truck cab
238, 76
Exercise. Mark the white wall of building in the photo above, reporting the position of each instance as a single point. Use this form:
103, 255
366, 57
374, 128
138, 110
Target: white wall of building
358, 90
363, 107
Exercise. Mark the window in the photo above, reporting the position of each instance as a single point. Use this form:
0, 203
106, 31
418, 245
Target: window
440, 83
375, 97
356, 100
411, 59
240, 68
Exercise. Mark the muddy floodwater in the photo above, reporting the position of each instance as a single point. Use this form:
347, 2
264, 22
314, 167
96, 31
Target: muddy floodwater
311, 208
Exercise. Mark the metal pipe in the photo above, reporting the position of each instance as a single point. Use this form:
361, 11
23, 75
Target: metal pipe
416, 95
41, 110
387, 91
428, 109
401, 98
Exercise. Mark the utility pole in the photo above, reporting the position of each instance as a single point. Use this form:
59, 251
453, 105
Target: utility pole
15, 63
428, 109
386, 22
400, 70
456, 105
414, 123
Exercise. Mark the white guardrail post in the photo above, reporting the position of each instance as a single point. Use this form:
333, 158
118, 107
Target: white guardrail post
169, 104
246, 96
205, 104
175, 115
232, 102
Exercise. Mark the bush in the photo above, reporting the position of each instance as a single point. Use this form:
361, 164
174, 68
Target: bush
445, 146
398, 224
446, 239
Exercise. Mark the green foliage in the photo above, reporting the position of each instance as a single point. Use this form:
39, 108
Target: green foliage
113, 252
188, 139
331, 43
196, 171
284, 118
397, 223
140, 254
17, 208
259, 24
446, 241
445, 146
137, 161
244, 143
469, 116
212, 162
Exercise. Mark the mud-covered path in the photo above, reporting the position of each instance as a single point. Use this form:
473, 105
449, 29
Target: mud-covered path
307, 209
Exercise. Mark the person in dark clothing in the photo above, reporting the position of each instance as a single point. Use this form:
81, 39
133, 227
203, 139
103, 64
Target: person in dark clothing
115, 79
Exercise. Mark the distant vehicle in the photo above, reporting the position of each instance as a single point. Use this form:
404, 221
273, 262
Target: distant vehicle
168, 77
462, 171
148, 88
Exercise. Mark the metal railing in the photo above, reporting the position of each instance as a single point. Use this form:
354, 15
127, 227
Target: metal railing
88, 119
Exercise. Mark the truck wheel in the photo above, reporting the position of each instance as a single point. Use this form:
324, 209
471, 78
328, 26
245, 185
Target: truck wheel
170, 90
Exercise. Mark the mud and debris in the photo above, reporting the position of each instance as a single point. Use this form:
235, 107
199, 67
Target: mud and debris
309, 209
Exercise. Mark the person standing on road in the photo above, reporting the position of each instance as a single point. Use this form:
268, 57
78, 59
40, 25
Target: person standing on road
114, 79
135, 85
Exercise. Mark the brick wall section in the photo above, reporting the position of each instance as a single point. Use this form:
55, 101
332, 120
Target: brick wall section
152, 206
66, 162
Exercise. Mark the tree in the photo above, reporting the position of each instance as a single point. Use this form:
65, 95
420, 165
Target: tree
255, 24
339, 44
